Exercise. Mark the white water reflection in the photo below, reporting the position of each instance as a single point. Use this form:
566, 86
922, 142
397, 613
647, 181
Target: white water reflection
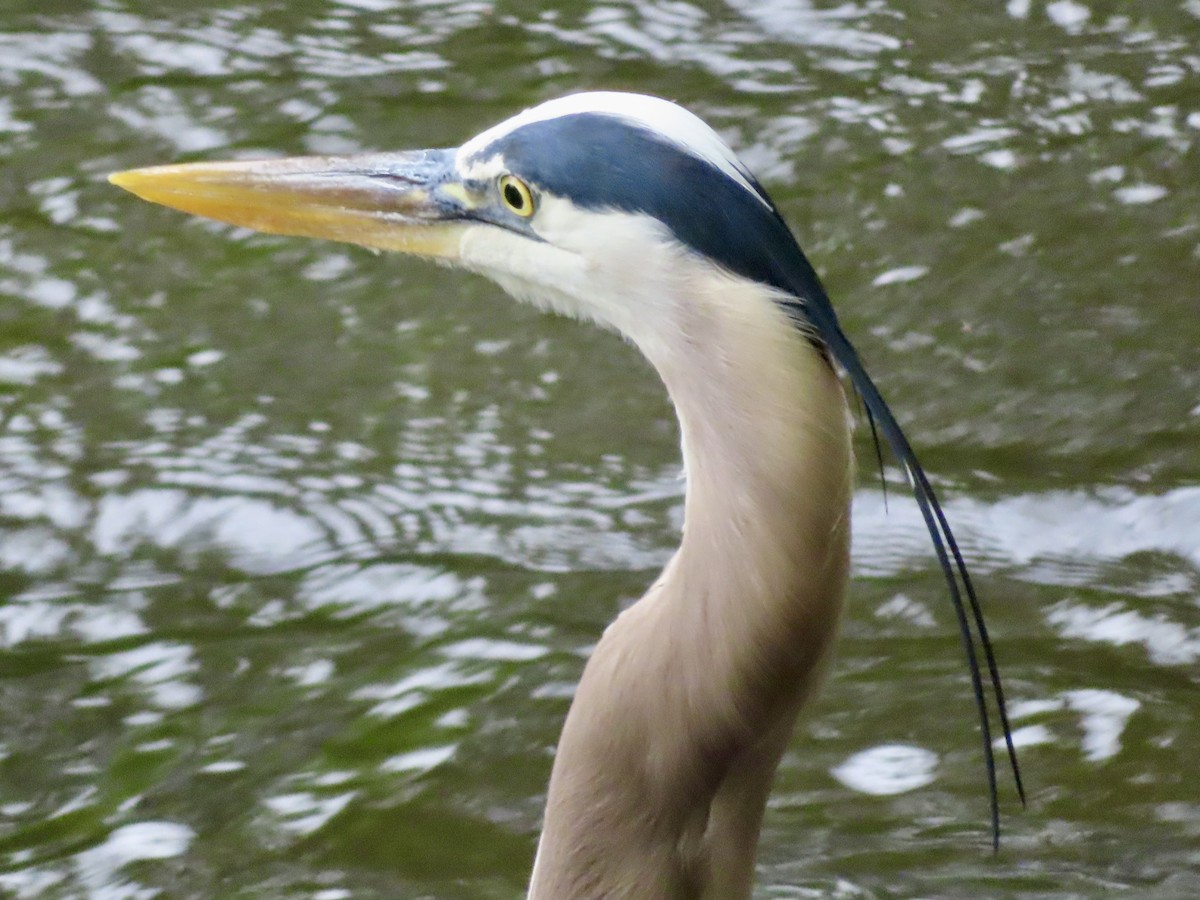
99, 868
161, 669
888, 769
54, 56
1061, 537
419, 761
900, 275
1104, 716
260, 536
419, 688
845, 27
1136, 194
1068, 15
493, 650
1167, 643
1101, 715
304, 812
1028, 736
25, 365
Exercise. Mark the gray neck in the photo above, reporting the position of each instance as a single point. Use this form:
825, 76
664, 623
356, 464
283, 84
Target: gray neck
682, 713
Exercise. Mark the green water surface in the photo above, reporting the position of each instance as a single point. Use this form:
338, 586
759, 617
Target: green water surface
302, 549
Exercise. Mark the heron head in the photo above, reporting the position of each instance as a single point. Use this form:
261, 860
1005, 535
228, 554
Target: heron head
595, 204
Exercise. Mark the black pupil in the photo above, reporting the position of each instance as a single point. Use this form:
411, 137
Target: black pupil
514, 196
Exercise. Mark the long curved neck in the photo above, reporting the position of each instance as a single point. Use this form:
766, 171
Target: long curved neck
684, 709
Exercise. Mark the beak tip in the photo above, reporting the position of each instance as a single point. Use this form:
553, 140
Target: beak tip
154, 184
123, 179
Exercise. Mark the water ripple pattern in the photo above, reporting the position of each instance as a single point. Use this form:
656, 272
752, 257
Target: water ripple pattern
302, 550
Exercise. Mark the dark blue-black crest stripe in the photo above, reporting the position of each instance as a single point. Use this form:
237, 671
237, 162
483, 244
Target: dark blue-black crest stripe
602, 162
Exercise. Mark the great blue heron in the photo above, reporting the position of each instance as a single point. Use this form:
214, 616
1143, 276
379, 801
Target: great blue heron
630, 211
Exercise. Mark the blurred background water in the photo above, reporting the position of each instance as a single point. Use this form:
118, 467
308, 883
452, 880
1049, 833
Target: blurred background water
302, 550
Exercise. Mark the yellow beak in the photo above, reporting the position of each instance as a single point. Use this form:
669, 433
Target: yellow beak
408, 202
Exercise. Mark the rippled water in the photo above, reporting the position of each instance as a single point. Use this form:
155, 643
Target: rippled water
302, 550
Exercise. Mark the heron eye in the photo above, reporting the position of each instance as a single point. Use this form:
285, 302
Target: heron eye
516, 195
